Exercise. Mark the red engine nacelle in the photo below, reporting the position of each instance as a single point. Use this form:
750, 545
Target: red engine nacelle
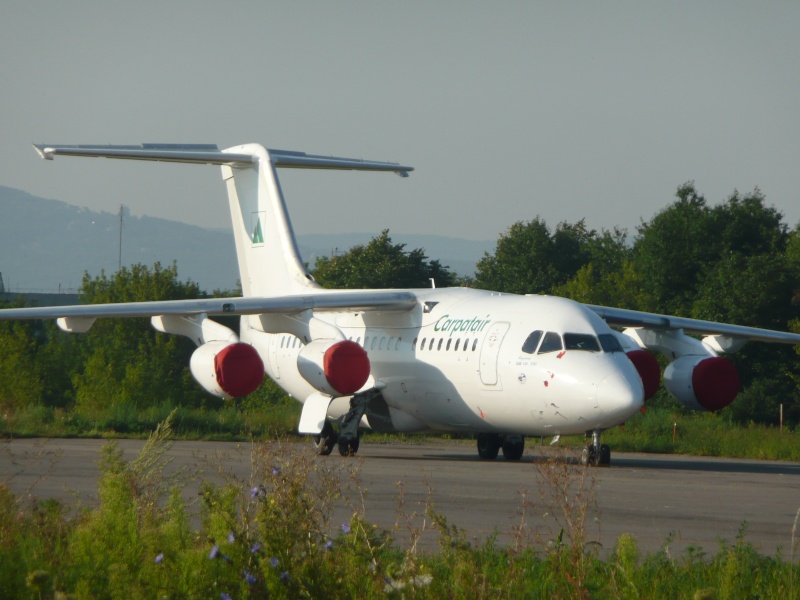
702, 382
649, 370
227, 370
334, 368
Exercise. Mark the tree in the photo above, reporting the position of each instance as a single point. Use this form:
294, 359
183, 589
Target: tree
381, 264
677, 252
126, 362
529, 259
20, 375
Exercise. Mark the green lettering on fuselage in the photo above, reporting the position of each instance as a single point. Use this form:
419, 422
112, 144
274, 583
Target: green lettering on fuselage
474, 325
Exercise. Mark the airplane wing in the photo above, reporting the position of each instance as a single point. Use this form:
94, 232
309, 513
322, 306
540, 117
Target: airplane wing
633, 318
353, 301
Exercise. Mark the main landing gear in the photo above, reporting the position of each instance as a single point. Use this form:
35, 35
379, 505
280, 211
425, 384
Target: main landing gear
595, 454
347, 439
489, 445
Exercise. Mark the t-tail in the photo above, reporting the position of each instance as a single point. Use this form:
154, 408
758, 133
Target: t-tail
269, 260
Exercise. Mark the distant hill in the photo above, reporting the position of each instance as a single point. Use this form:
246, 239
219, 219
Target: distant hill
46, 245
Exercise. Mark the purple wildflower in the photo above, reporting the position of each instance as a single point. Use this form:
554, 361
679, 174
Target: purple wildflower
255, 548
249, 577
231, 538
159, 558
225, 596
285, 576
345, 528
214, 552
328, 545
254, 492
274, 562
276, 471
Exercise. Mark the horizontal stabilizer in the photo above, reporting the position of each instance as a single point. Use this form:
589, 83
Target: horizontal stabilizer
211, 154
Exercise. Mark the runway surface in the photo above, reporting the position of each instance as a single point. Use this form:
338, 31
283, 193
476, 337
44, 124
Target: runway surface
676, 501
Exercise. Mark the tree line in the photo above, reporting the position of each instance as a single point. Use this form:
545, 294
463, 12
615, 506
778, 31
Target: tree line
734, 262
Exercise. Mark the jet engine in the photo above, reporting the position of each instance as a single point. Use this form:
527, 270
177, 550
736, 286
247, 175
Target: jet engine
649, 370
336, 368
227, 369
702, 382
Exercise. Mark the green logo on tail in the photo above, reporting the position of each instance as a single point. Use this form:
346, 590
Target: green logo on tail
258, 236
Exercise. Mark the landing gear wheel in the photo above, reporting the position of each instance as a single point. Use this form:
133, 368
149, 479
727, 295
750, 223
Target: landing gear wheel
513, 447
589, 456
488, 445
605, 455
594, 453
326, 440
348, 446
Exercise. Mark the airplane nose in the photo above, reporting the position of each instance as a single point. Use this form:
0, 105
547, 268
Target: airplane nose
618, 393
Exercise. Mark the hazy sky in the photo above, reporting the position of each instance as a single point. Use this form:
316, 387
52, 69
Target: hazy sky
508, 110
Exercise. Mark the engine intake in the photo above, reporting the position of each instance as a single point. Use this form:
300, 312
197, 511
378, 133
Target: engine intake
702, 382
334, 368
649, 370
227, 370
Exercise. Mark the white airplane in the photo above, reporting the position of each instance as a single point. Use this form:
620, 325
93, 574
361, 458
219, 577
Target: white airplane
501, 366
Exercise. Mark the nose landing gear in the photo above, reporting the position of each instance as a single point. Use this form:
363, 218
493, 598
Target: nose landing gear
595, 454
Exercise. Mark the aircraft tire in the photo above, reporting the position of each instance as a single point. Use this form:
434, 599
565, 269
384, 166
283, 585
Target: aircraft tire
605, 455
488, 445
513, 447
326, 440
348, 446
590, 457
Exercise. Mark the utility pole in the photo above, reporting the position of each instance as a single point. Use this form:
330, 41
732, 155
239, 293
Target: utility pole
119, 265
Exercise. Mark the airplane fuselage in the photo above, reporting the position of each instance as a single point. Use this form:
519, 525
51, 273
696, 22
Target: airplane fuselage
470, 361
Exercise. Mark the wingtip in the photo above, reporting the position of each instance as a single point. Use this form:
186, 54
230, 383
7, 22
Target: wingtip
43, 151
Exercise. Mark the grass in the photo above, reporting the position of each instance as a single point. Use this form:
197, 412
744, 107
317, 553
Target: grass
705, 434
271, 535
658, 430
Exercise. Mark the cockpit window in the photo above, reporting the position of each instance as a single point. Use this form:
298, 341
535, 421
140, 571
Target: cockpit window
550, 343
529, 347
610, 343
581, 341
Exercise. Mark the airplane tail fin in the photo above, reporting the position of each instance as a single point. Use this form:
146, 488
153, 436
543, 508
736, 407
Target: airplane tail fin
269, 260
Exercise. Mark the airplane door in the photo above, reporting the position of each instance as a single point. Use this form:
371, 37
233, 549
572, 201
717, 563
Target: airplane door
490, 349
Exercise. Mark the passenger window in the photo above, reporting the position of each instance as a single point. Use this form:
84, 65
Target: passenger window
439, 345
414, 344
458, 341
397, 343
422, 345
474, 344
448, 344
581, 341
383, 339
366, 341
466, 344
530, 345
430, 346
374, 341
358, 340
610, 343
550, 343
